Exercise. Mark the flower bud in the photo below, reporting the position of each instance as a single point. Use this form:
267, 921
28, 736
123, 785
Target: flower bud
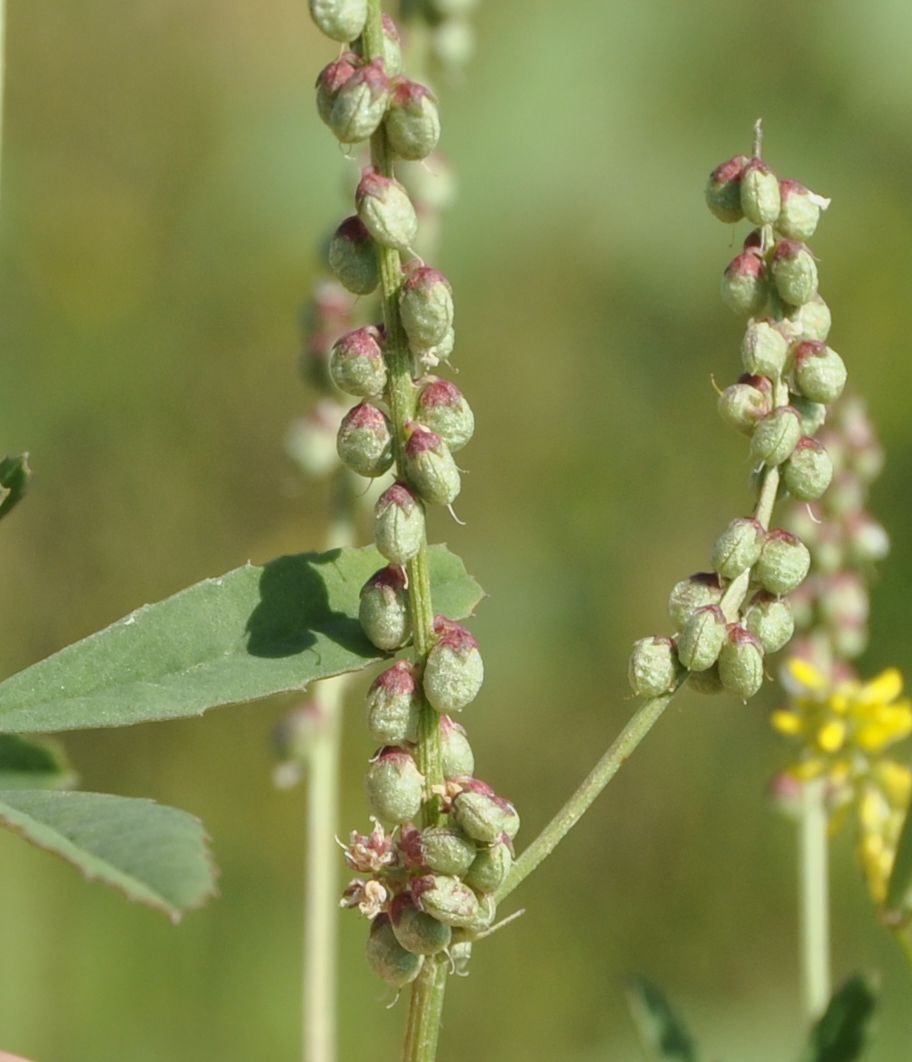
455, 750
454, 670
398, 524
445, 898
360, 104
430, 466
383, 610
800, 211
813, 414
311, 441
416, 931
484, 815
784, 563
653, 668
794, 272
386, 956
426, 308
738, 547
770, 621
431, 357
745, 287
445, 850
353, 257
442, 408
412, 120
820, 374
763, 349
706, 682
483, 920
342, 20
386, 210
356, 363
491, 866
867, 540
813, 320
776, 436
759, 193
365, 440
331, 79
741, 663
394, 706
746, 402
809, 470
723, 191
703, 588
701, 638
394, 785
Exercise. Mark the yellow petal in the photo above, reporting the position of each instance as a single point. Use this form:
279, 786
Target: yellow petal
886, 687
806, 674
830, 736
785, 722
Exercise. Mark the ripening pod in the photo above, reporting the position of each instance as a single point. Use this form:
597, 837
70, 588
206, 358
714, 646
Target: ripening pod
454, 671
426, 308
356, 363
784, 562
383, 610
764, 348
776, 436
746, 402
453, 44
741, 663
813, 320
809, 471
387, 957
311, 440
442, 408
331, 78
819, 372
458, 760
723, 190
360, 104
394, 705
846, 495
800, 210
445, 898
653, 668
353, 257
416, 931
483, 814
491, 867
738, 547
412, 120
446, 850
703, 588
431, 357
794, 272
745, 287
399, 526
867, 540
770, 620
365, 440
706, 682
701, 638
813, 414
386, 210
342, 20
760, 199
483, 920
430, 466
843, 600
392, 46
395, 786
431, 184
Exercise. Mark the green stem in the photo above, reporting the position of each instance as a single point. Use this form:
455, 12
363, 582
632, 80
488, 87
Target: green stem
814, 900
425, 1011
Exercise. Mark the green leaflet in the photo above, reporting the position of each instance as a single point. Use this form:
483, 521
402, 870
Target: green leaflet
256, 631
153, 854
14, 477
844, 1031
32, 765
663, 1034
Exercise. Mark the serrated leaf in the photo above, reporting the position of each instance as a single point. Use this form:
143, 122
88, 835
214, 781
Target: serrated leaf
33, 765
14, 477
153, 854
251, 633
898, 903
662, 1032
844, 1030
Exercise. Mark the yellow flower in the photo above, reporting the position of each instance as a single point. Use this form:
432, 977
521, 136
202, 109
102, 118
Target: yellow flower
882, 805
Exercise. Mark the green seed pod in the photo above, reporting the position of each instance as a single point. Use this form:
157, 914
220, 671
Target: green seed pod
454, 671
723, 190
703, 588
426, 308
416, 931
445, 898
453, 44
392, 47
800, 211
770, 620
455, 750
745, 403
399, 526
867, 540
342, 20
445, 850
383, 610
706, 682
738, 547
386, 210
813, 414
433, 356
365, 441
653, 668
819, 372
483, 814
311, 440
386, 956
741, 663
360, 104
849, 642
484, 917
430, 466
764, 348
412, 120
776, 436
759, 193
809, 471
784, 562
356, 363
846, 495
394, 706
395, 786
353, 257
745, 287
442, 408
813, 320
491, 866
701, 638
794, 272
844, 600
331, 79
431, 184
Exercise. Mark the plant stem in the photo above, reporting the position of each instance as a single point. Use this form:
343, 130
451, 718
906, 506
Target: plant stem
425, 1012
814, 900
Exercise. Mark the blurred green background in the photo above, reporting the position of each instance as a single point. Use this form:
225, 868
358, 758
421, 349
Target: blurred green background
166, 181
